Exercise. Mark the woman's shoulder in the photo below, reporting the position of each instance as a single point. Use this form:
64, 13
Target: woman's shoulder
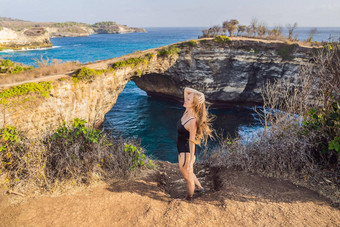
192, 119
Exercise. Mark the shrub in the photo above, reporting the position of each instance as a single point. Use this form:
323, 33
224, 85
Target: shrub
132, 62
88, 75
327, 125
41, 89
222, 39
300, 139
193, 43
76, 153
285, 51
168, 51
7, 66
137, 157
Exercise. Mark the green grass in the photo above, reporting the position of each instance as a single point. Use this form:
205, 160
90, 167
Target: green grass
168, 51
7, 66
193, 43
222, 39
41, 88
131, 62
88, 75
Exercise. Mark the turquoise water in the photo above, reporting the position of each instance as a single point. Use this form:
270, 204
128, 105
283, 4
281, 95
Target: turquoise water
105, 46
153, 121
150, 119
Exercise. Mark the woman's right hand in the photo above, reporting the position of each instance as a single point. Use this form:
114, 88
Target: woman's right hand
200, 94
201, 98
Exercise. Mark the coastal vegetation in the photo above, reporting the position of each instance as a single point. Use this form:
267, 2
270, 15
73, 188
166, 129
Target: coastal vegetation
70, 155
301, 136
13, 72
7, 66
285, 51
130, 62
257, 29
29, 90
222, 39
87, 74
193, 43
69, 24
168, 51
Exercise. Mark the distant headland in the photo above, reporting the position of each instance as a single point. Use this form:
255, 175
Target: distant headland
18, 34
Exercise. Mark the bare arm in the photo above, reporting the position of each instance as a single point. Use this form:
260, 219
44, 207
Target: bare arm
188, 90
192, 130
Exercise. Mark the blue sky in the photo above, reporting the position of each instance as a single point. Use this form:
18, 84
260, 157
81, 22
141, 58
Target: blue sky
177, 13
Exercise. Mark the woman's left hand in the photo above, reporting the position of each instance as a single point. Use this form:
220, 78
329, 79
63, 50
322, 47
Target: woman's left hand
191, 163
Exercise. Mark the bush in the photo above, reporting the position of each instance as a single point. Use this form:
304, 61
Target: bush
327, 126
7, 66
193, 43
77, 154
28, 89
88, 75
285, 51
132, 62
300, 139
222, 39
168, 51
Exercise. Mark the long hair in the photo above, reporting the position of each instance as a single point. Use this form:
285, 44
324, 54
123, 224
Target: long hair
203, 120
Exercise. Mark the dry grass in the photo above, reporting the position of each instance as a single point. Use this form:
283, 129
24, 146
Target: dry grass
64, 159
46, 67
285, 148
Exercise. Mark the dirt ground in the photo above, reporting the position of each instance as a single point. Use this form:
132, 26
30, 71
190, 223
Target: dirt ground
156, 198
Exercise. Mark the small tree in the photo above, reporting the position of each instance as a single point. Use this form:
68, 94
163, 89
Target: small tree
241, 29
291, 29
261, 29
275, 33
249, 31
215, 30
205, 33
311, 35
253, 25
230, 26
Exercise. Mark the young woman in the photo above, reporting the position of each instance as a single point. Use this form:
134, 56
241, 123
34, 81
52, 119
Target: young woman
192, 128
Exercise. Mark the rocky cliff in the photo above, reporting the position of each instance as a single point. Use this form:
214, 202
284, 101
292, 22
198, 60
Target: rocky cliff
226, 71
27, 38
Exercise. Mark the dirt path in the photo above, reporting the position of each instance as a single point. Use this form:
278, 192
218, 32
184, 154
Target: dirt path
39, 79
232, 198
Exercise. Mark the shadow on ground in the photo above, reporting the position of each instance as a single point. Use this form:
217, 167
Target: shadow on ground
166, 183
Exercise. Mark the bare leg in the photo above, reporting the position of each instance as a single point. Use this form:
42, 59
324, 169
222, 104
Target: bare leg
190, 183
197, 183
188, 175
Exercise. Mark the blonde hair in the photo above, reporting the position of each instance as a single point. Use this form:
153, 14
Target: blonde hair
203, 120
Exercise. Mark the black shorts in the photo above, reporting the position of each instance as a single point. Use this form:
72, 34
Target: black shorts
184, 155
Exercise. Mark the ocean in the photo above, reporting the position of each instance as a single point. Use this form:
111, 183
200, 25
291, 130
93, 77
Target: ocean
137, 115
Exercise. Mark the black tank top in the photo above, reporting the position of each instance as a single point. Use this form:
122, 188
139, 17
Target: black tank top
182, 137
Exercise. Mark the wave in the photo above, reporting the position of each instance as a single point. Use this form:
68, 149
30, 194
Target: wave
28, 49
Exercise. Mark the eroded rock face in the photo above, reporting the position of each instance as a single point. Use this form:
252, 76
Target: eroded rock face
228, 74
35, 116
26, 38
